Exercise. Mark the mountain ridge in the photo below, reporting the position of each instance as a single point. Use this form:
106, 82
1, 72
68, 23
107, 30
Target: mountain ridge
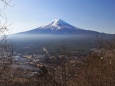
59, 27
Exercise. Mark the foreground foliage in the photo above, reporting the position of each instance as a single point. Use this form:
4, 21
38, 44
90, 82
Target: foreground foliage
63, 69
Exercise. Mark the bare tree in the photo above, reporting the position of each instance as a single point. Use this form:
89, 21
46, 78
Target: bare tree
98, 69
3, 18
6, 53
6, 48
60, 70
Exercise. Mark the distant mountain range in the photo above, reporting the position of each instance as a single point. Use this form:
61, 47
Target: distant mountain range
60, 27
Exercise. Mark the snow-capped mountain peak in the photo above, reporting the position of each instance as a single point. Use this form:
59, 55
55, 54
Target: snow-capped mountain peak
59, 27
57, 24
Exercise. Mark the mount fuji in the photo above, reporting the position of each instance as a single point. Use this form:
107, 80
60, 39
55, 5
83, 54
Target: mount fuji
59, 27
53, 34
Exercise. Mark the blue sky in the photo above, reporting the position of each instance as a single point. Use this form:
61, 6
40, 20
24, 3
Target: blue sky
97, 15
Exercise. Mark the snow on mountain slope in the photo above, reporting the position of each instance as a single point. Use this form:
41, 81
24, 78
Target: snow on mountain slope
57, 24
60, 27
